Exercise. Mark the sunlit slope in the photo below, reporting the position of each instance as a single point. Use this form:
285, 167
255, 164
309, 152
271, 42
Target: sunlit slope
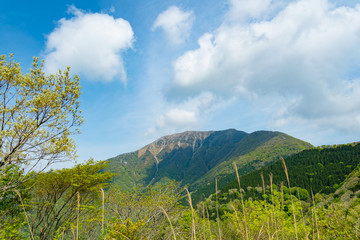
318, 170
197, 158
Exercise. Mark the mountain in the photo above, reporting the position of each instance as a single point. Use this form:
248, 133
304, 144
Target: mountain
196, 158
331, 173
320, 170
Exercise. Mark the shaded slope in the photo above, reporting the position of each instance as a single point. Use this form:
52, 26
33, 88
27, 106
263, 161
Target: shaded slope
142, 166
189, 164
254, 151
196, 158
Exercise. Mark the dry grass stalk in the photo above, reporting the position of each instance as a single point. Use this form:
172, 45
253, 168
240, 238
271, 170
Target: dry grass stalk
208, 218
282, 207
237, 220
192, 215
273, 219
317, 227
275, 233
26, 216
292, 202
168, 218
204, 219
303, 218
103, 209
282, 195
313, 223
267, 219
242, 200
78, 213
260, 232
73, 233
62, 234
217, 208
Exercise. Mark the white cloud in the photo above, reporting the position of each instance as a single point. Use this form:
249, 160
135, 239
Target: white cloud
186, 115
245, 9
303, 58
174, 120
91, 44
177, 117
176, 24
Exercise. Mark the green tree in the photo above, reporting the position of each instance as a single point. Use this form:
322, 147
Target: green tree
56, 196
12, 216
38, 115
138, 213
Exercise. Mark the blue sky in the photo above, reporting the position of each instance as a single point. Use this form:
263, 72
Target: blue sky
152, 68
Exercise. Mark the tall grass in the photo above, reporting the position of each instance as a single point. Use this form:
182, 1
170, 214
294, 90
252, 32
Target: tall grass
267, 218
208, 220
193, 236
217, 209
273, 219
291, 198
26, 216
168, 218
102, 209
78, 214
242, 200
314, 212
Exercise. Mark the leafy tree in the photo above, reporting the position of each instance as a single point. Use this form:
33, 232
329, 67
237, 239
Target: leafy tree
140, 212
56, 196
12, 216
38, 114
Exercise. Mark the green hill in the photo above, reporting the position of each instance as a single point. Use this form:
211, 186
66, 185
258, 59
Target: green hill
320, 170
197, 158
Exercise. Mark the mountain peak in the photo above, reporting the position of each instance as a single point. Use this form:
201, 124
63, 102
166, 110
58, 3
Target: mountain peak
174, 141
197, 157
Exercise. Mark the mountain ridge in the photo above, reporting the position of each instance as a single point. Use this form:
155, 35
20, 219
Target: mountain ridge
194, 157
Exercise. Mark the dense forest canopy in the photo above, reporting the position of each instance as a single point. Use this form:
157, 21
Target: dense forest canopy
316, 170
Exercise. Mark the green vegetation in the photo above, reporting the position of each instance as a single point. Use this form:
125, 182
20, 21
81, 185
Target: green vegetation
55, 196
90, 202
317, 169
255, 151
39, 114
197, 158
73, 205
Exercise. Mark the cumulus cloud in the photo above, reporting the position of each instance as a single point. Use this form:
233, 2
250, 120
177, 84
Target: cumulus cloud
188, 114
91, 43
304, 57
173, 120
245, 9
177, 117
176, 24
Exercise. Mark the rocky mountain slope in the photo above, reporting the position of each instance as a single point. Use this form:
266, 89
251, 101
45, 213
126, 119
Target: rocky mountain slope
196, 158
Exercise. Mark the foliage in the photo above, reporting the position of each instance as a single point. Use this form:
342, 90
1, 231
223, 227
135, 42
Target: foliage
339, 222
155, 212
198, 163
317, 170
11, 213
125, 230
56, 195
38, 113
137, 213
11, 228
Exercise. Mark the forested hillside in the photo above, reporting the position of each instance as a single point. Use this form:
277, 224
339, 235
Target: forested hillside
317, 169
197, 158
79, 202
